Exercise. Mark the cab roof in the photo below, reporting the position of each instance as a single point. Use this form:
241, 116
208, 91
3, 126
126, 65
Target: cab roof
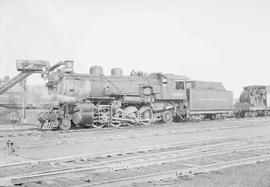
170, 76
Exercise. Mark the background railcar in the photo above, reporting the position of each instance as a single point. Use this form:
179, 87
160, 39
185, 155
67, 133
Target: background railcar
253, 101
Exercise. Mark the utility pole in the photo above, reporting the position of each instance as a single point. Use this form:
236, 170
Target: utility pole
23, 102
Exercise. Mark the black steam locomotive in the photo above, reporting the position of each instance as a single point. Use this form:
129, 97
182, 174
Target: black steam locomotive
99, 100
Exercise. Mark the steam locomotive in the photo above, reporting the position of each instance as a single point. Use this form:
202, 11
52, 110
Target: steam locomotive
100, 100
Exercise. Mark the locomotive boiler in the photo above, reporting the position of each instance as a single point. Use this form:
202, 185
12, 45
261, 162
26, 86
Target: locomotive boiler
139, 98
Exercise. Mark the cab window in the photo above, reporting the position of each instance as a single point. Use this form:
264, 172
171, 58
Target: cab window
179, 85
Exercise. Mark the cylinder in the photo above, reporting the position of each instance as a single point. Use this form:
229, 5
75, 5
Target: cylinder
83, 114
117, 72
79, 118
96, 70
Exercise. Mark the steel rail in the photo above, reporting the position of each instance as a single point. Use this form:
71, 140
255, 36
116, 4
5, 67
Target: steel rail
133, 150
131, 163
87, 139
120, 129
177, 173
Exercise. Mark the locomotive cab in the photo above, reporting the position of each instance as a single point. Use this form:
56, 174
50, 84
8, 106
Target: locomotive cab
173, 87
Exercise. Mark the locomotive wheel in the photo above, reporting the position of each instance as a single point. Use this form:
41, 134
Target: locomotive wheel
98, 125
146, 115
65, 124
167, 117
131, 112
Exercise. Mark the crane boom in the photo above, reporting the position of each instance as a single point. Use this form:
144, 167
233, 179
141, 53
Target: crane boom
27, 68
12, 82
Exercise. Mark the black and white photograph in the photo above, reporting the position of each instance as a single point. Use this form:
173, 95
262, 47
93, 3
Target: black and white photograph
135, 93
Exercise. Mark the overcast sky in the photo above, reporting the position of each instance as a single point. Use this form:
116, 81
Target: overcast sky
227, 41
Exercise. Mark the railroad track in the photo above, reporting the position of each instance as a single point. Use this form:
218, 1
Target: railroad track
97, 137
36, 132
18, 132
127, 181
145, 159
140, 149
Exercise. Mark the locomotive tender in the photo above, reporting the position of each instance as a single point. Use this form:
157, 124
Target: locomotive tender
114, 100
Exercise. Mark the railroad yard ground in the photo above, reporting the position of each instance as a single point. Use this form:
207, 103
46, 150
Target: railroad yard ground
231, 152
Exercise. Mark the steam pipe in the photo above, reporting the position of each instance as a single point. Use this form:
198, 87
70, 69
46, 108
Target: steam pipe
56, 65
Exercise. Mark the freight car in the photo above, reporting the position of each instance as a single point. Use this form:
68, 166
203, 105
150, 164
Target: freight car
253, 101
99, 100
